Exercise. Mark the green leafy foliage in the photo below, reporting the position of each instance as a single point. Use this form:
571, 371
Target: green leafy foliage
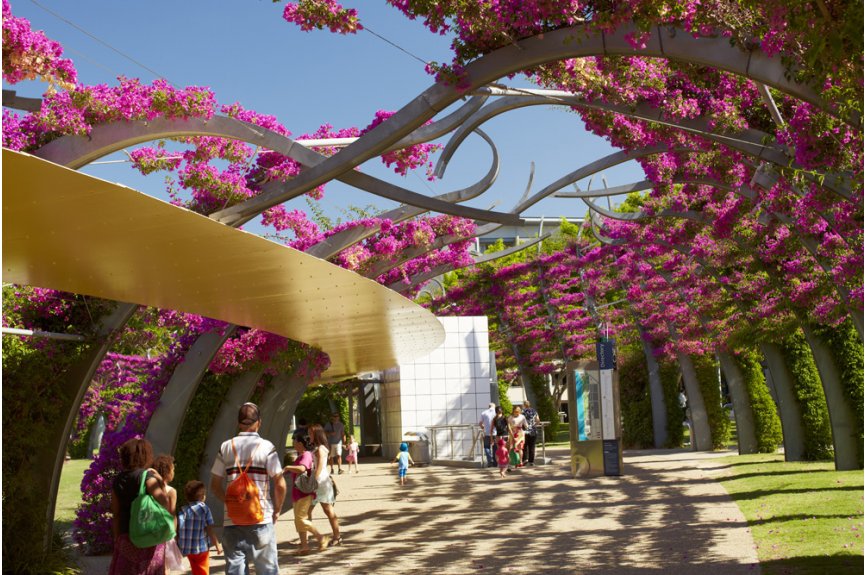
769, 431
707, 372
33, 404
545, 404
319, 402
811, 397
204, 407
669, 373
635, 407
504, 401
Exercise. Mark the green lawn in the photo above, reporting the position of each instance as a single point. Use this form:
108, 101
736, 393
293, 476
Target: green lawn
806, 518
69, 492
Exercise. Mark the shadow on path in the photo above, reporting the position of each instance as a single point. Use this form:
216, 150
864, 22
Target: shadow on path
664, 516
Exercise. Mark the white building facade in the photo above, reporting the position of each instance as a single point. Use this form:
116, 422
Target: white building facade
442, 395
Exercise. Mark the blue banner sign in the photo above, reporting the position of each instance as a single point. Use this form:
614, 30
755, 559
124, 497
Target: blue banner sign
605, 354
579, 405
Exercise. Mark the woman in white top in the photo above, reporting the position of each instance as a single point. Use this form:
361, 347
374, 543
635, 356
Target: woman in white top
325, 491
517, 425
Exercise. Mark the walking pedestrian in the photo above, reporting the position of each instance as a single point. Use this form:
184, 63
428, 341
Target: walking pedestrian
517, 427
249, 535
302, 502
334, 431
486, 422
136, 458
325, 495
530, 435
403, 460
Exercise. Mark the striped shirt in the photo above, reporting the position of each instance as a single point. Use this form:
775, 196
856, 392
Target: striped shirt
266, 464
193, 521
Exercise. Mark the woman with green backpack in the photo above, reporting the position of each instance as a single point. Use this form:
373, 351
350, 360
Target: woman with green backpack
140, 520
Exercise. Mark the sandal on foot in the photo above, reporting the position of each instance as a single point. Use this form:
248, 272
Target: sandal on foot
325, 542
335, 542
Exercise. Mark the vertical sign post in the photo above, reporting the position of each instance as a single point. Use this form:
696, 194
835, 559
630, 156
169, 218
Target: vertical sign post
612, 452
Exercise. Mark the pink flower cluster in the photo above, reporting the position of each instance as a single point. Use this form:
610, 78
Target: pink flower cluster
79, 109
319, 14
29, 54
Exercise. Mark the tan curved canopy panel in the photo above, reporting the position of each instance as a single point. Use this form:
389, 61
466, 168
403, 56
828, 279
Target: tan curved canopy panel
69, 231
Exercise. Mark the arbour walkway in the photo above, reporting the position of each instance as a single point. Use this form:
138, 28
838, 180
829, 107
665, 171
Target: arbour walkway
667, 515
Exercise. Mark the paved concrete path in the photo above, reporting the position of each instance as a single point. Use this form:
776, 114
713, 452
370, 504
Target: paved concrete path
666, 515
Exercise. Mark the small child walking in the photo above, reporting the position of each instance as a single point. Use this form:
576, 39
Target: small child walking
502, 455
403, 460
196, 529
352, 454
517, 449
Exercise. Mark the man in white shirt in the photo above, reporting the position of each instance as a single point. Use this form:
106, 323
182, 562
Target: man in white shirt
334, 431
485, 423
256, 542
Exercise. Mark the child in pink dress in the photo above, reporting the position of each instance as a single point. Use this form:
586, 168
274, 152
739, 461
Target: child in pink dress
352, 454
502, 455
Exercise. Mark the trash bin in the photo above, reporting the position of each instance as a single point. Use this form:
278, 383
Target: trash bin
419, 447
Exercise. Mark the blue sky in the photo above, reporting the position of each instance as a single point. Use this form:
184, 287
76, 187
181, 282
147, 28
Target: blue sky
245, 52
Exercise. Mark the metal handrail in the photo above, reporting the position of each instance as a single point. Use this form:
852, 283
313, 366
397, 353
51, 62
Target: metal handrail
475, 433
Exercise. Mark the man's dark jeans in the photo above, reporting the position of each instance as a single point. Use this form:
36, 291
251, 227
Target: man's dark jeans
529, 448
489, 455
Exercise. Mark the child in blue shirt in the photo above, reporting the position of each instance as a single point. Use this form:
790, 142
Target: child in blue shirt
196, 529
403, 460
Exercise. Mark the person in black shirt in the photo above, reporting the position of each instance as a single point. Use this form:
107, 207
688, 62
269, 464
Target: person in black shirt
532, 417
501, 425
136, 457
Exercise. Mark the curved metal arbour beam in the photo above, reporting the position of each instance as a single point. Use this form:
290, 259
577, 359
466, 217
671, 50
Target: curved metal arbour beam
11, 99
403, 288
579, 174
516, 99
342, 240
639, 216
666, 42
438, 244
434, 130
751, 142
77, 151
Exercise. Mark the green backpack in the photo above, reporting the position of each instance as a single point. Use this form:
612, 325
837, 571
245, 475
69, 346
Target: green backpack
149, 522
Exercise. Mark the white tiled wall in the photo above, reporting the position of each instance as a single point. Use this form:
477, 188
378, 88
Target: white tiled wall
451, 386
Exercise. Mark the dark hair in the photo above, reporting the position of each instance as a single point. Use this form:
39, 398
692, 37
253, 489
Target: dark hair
163, 464
499, 409
136, 454
194, 490
317, 435
248, 414
303, 440
302, 421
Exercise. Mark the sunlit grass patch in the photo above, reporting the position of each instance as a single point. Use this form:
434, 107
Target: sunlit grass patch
805, 517
69, 492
